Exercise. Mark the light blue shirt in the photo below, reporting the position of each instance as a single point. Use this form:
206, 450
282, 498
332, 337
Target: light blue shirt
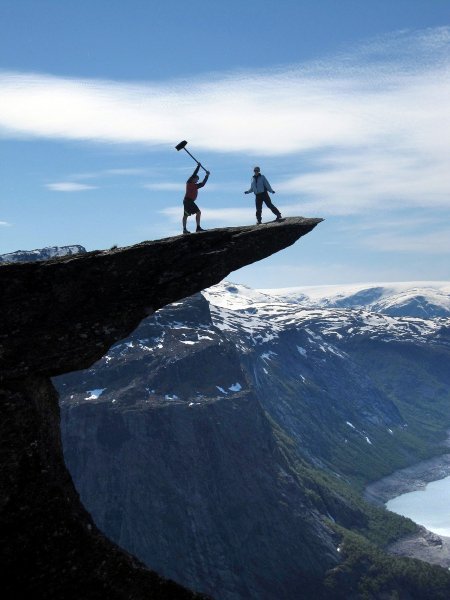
260, 184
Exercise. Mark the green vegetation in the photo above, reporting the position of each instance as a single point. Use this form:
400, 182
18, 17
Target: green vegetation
367, 573
425, 403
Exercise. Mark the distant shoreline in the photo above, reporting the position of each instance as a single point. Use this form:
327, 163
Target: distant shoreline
409, 479
423, 545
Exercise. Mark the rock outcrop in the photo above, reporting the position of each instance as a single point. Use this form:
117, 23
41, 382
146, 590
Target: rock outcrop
62, 315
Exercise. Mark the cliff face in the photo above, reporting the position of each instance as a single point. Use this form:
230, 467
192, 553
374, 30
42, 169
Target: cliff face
214, 490
74, 309
214, 443
60, 316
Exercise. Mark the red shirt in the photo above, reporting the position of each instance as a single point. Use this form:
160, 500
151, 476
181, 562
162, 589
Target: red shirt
191, 190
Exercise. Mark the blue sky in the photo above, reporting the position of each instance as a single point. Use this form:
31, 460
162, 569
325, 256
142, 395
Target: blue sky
344, 104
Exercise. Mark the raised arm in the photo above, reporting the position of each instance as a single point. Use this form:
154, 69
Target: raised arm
201, 184
195, 173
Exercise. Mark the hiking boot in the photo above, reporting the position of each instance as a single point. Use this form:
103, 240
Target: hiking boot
199, 229
186, 231
279, 218
258, 222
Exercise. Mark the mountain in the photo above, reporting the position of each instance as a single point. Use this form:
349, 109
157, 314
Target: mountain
62, 315
424, 299
227, 441
48, 253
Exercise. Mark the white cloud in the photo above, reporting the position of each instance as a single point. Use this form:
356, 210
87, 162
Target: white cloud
375, 122
127, 172
165, 187
5, 224
69, 186
344, 103
353, 182
430, 242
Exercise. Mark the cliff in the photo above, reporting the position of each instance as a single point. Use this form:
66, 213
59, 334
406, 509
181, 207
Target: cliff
60, 316
215, 442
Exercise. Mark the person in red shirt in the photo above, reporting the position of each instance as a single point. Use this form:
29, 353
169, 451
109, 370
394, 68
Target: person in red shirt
190, 207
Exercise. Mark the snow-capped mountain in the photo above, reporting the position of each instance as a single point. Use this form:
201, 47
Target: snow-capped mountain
424, 299
221, 414
41, 254
269, 314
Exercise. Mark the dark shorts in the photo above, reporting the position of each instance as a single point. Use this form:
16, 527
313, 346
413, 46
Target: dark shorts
190, 208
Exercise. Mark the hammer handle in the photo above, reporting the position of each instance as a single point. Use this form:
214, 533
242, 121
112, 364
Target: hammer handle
195, 159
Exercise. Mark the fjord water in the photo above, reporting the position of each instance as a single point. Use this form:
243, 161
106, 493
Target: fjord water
429, 506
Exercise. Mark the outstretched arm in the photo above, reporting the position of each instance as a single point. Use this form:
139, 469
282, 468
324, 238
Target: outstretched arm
249, 191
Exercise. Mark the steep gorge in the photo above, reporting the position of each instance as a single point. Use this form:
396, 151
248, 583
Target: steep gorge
259, 417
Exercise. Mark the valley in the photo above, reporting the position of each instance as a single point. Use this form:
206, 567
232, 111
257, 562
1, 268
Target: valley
227, 442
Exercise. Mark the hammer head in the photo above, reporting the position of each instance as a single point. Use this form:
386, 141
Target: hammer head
181, 145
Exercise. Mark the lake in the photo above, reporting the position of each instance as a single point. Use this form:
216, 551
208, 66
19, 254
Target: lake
429, 507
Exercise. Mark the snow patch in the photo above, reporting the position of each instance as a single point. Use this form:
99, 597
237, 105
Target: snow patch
94, 394
236, 387
268, 355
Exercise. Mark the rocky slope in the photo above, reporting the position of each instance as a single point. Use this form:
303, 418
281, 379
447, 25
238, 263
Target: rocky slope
265, 416
59, 316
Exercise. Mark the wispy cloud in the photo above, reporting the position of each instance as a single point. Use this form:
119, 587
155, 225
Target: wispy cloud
352, 100
431, 242
106, 173
353, 182
69, 186
165, 187
5, 224
371, 127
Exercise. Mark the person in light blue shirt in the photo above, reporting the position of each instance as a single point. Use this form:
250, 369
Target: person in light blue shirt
260, 187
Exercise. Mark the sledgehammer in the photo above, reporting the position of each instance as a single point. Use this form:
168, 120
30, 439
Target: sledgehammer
182, 146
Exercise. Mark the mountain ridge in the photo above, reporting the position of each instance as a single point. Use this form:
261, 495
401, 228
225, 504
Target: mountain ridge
334, 418
40, 254
423, 299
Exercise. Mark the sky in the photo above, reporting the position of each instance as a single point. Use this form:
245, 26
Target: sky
345, 106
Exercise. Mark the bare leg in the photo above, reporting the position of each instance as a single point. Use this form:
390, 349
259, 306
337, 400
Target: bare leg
198, 217
184, 221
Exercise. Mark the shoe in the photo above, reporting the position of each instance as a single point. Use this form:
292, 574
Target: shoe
186, 231
258, 222
279, 218
199, 229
